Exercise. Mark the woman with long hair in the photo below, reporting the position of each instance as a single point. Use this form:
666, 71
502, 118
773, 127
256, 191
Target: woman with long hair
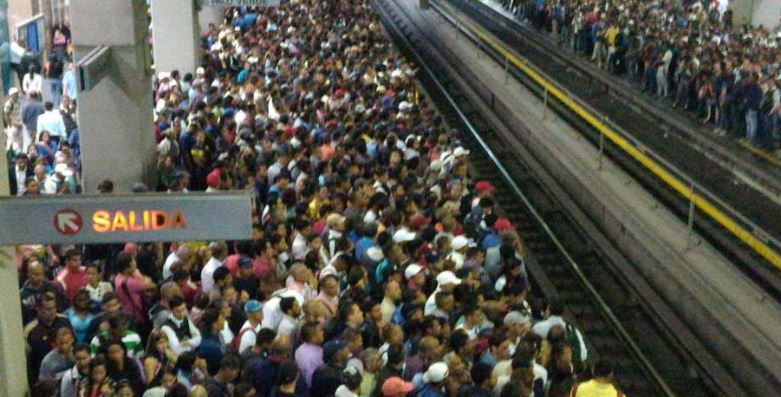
159, 356
99, 384
121, 367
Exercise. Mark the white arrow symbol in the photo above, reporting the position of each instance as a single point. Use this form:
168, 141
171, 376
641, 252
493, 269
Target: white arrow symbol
67, 221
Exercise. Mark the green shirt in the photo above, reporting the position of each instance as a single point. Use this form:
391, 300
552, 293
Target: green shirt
130, 339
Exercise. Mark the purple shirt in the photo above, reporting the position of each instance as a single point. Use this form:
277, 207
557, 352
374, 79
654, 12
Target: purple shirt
308, 358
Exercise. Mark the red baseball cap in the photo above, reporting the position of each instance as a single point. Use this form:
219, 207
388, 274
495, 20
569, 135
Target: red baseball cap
503, 224
394, 386
484, 186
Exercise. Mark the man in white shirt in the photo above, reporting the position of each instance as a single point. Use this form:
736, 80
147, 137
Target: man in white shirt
51, 121
219, 252
291, 311
32, 81
446, 281
391, 297
554, 313
299, 246
182, 334
182, 254
249, 331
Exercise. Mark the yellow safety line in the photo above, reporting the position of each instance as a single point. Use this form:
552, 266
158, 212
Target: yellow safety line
702, 203
761, 153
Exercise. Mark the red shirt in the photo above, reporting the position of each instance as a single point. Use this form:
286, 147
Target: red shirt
129, 290
260, 266
232, 263
71, 280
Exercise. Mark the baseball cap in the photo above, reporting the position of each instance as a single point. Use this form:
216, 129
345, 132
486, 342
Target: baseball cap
436, 373
412, 271
331, 347
394, 386
460, 151
447, 277
503, 224
515, 318
334, 219
459, 242
245, 261
375, 254
403, 235
484, 186
253, 306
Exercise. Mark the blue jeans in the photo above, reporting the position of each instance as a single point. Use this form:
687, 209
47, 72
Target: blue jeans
56, 85
751, 125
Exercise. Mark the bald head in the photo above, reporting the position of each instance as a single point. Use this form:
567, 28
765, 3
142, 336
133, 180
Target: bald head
184, 252
281, 346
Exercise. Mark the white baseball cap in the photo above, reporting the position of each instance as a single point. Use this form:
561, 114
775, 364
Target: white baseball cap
460, 151
515, 318
403, 235
412, 271
447, 277
436, 373
375, 254
459, 242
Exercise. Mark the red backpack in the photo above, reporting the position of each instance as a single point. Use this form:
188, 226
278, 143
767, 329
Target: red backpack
236, 342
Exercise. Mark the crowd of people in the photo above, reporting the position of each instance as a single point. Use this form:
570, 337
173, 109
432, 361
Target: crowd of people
378, 267
687, 51
42, 137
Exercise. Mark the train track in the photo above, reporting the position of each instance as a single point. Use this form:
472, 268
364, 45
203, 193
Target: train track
713, 179
563, 262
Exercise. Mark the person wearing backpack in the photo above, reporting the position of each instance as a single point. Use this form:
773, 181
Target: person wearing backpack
601, 385
249, 331
553, 316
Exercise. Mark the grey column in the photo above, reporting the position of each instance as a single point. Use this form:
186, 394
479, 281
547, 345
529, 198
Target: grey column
115, 116
13, 363
176, 35
210, 14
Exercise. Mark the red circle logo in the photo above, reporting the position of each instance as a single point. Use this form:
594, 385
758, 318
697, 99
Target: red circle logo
68, 222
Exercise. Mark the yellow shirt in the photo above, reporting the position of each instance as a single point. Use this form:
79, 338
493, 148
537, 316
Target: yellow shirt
313, 210
610, 35
593, 388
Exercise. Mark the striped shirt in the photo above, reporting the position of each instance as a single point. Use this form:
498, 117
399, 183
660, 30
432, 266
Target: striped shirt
130, 339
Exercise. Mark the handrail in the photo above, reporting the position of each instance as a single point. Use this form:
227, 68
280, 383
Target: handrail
751, 234
623, 334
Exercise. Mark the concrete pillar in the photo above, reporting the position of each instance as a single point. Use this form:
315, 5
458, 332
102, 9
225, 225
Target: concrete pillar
13, 363
742, 11
766, 12
115, 116
176, 35
210, 14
